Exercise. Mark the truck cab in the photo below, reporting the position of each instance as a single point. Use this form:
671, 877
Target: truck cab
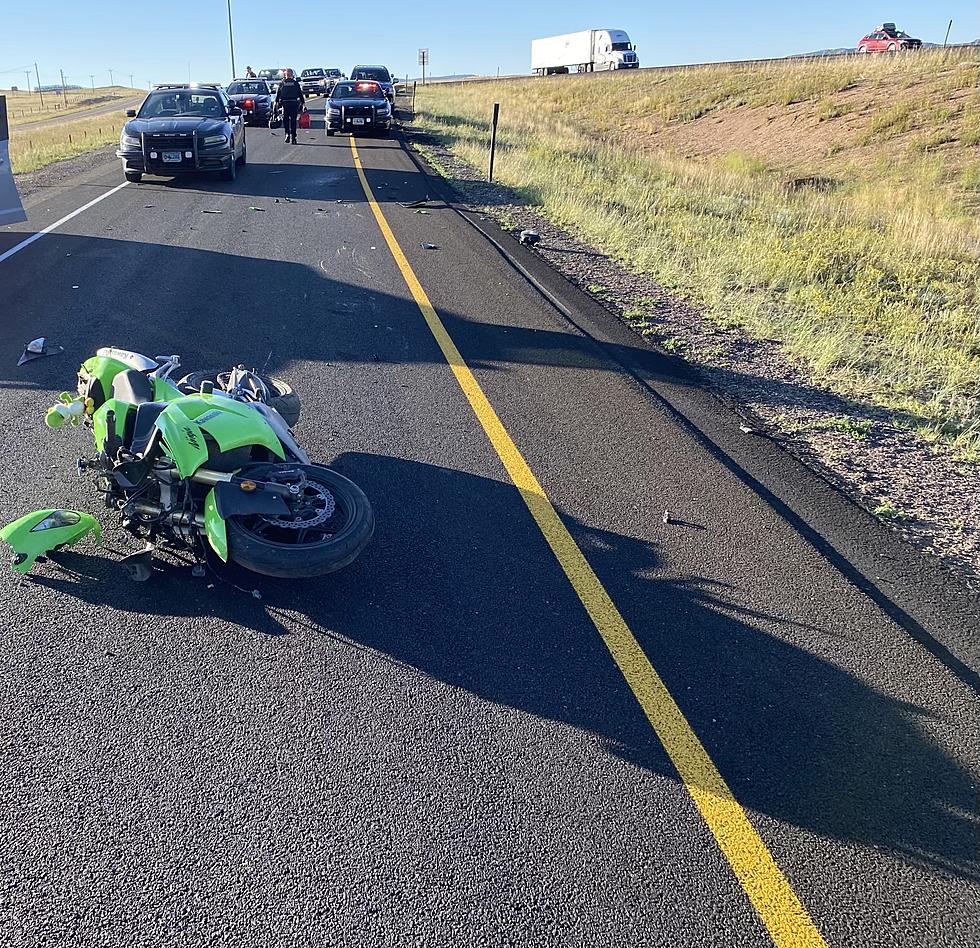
612, 49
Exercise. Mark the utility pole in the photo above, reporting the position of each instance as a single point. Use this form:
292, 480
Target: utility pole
130, 80
27, 73
64, 93
948, 28
37, 75
111, 83
93, 81
231, 42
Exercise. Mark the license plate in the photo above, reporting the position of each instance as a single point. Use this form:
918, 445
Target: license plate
358, 121
172, 156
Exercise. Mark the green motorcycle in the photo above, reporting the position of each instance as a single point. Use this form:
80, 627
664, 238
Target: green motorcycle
205, 464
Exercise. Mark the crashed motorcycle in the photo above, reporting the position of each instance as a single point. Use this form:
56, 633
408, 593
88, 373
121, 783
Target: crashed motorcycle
205, 464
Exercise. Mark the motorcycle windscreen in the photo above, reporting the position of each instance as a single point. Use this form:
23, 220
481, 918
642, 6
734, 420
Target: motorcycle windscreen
11, 210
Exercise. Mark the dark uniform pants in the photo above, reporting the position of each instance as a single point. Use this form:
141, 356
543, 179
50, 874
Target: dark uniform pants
290, 113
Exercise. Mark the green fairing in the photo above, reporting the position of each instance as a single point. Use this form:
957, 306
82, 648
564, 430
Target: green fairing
215, 527
102, 368
231, 424
164, 390
100, 426
30, 540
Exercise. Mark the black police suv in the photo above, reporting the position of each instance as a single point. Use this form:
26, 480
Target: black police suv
378, 74
181, 128
358, 107
256, 100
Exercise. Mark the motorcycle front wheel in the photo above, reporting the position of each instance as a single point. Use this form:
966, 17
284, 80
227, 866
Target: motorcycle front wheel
329, 522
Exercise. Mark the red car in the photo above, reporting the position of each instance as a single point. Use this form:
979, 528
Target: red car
887, 39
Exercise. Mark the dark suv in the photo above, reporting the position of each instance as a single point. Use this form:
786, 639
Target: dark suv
378, 74
181, 128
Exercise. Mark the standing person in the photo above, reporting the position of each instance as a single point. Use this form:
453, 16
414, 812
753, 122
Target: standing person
290, 96
248, 73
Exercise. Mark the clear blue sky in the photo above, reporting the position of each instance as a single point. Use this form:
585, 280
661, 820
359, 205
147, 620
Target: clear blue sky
155, 42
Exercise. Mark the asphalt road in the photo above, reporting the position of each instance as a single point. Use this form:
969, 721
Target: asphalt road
435, 746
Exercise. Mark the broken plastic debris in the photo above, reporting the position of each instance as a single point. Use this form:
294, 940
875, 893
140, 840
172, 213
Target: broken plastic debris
38, 349
421, 203
529, 237
426, 246
209, 210
421, 210
666, 516
252, 207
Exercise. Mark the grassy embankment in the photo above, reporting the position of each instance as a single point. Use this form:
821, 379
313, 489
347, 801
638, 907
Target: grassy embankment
829, 204
73, 133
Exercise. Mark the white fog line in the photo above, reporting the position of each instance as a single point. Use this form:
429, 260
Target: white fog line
64, 220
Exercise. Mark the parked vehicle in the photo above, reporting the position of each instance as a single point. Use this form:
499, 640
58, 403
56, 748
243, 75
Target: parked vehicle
313, 81
887, 39
256, 100
273, 77
182, 128
586, 51
358, 107
213, 471
378, 74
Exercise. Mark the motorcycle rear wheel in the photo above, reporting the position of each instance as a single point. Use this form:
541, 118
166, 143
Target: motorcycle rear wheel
281, 395
307, 543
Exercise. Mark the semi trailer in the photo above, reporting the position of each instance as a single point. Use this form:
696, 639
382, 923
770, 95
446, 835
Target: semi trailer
585, 51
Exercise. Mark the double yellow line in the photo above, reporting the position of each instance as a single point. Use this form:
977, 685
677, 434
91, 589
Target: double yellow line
787, 921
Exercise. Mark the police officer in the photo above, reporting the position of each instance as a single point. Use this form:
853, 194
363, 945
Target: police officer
290, 96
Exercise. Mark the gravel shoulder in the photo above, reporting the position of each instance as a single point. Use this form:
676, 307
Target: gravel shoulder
926, 495
63, 172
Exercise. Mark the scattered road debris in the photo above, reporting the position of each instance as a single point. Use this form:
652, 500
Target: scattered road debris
38, 349
209, 210
423, 203
529, 237
252, 207
666, 516
745, 429
426, 246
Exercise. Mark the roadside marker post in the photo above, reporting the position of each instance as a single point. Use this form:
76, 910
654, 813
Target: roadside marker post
493, 140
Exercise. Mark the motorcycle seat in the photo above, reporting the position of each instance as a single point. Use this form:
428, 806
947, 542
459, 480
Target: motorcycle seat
132, 387
146, 414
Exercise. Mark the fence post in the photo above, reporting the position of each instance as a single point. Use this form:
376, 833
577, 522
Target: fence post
493, 140
414, 84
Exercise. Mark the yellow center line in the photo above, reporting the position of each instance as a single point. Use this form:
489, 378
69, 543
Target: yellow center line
785, 918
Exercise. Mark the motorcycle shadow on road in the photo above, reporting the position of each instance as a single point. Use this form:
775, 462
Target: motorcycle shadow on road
459, 585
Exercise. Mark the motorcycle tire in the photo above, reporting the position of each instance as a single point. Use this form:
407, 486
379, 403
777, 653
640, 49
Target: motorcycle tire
285, 560
281, 395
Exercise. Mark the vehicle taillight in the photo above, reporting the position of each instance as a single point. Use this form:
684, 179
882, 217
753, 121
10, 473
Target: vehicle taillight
250, 103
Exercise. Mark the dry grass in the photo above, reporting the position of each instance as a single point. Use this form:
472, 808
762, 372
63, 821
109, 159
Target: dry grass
23, 108
34, 148
829, 204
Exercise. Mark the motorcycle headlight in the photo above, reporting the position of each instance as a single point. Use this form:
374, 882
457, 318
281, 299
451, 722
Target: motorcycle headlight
212, 140
57, 518
131, 140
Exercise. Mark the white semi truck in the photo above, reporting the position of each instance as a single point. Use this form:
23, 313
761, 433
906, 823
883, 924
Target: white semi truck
586, 51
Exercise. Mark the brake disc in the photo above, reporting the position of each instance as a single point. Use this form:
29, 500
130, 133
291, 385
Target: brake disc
310, 513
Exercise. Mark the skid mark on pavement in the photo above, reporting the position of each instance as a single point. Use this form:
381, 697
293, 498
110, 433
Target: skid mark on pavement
787, 921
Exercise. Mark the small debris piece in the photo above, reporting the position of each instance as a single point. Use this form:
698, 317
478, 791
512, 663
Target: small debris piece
421, 203
38, 349
149, 205
745, 429
209, 210
421, 210
529, 237
426, 246
666, 517
252, 207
